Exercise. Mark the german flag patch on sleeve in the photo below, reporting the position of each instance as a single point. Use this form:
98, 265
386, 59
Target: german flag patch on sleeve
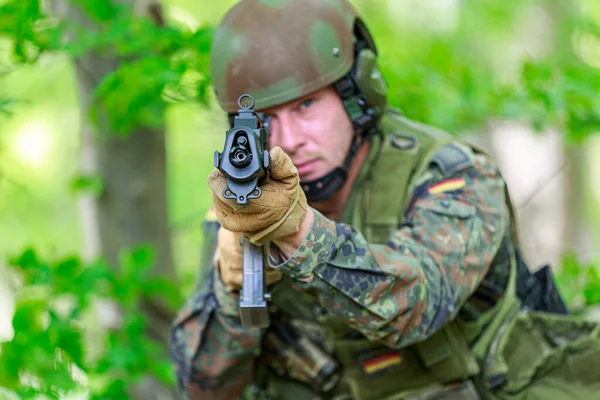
448, 185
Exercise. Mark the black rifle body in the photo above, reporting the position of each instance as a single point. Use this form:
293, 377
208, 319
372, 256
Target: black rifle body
244, 162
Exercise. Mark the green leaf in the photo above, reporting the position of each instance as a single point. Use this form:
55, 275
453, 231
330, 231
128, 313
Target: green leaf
163, 371
7, 105
98, 10
68, 339
97, 279
135, 263
28, 258
65, 271
35, 271
163, 289
117, 389
31, 311
591, 289
88, 184
570, 265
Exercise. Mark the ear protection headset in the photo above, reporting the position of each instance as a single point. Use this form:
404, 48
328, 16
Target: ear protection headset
363, 89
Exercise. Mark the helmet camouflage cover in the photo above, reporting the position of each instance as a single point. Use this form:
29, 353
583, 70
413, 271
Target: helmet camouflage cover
280, 50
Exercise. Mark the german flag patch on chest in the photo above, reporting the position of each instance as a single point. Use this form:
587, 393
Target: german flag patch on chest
373, 363
381, 362
447, 185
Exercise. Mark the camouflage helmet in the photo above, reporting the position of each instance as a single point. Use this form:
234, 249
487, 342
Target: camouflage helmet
280, 50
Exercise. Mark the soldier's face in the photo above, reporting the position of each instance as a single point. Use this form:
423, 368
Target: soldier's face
314, 131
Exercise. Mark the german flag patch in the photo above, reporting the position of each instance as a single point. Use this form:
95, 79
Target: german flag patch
447, 185
380, 362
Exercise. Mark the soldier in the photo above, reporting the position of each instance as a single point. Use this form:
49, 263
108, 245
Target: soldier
393, 258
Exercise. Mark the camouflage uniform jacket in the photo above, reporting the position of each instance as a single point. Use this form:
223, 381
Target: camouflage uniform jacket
399, 292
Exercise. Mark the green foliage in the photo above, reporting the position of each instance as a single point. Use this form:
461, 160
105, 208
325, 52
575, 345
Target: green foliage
50, 352
156, 61
24, 22
98, 10
88, 183
557, 95
153, 63
446, 77
5, 106
461, 77
579, 283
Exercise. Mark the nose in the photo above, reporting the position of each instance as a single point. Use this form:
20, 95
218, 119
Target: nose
287, 134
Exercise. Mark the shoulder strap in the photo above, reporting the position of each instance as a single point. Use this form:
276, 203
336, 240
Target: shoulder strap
451, 159
406, 151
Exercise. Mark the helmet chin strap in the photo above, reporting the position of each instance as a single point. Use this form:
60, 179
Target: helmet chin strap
364, 118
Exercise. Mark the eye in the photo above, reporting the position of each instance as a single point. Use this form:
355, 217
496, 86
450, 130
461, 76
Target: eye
306, 103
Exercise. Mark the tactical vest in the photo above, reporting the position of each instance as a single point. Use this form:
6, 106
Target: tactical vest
455, 353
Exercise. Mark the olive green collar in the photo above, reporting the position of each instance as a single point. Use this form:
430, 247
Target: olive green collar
363, 176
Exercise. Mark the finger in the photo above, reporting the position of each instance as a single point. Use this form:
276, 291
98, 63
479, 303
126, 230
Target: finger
230, 244
216, 177
234, 252
282, 166
217, 182
226, 236
235, 280
224, 275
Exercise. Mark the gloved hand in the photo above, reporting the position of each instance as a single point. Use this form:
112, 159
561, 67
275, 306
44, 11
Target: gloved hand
276, 213
228, 261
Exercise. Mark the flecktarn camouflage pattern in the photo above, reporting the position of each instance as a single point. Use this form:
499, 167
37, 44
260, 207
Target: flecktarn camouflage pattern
388, 307
384, 300
251, 50
398, 293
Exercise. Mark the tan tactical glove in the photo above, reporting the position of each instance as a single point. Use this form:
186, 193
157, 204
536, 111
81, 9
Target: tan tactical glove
276, 213
228, 261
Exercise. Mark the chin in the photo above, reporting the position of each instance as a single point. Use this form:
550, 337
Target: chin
312, 175
316, 173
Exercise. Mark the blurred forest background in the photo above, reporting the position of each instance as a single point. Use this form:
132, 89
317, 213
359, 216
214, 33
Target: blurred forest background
108, 126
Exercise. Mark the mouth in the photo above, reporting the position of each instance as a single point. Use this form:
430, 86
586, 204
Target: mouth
305, 168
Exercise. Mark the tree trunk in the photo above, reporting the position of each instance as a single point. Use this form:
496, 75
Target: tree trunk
132, 209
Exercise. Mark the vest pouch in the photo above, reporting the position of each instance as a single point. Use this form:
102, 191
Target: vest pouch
375, 371
544, 356
446, 355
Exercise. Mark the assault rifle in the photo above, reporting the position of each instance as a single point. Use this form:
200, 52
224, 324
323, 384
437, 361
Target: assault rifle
244, 162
